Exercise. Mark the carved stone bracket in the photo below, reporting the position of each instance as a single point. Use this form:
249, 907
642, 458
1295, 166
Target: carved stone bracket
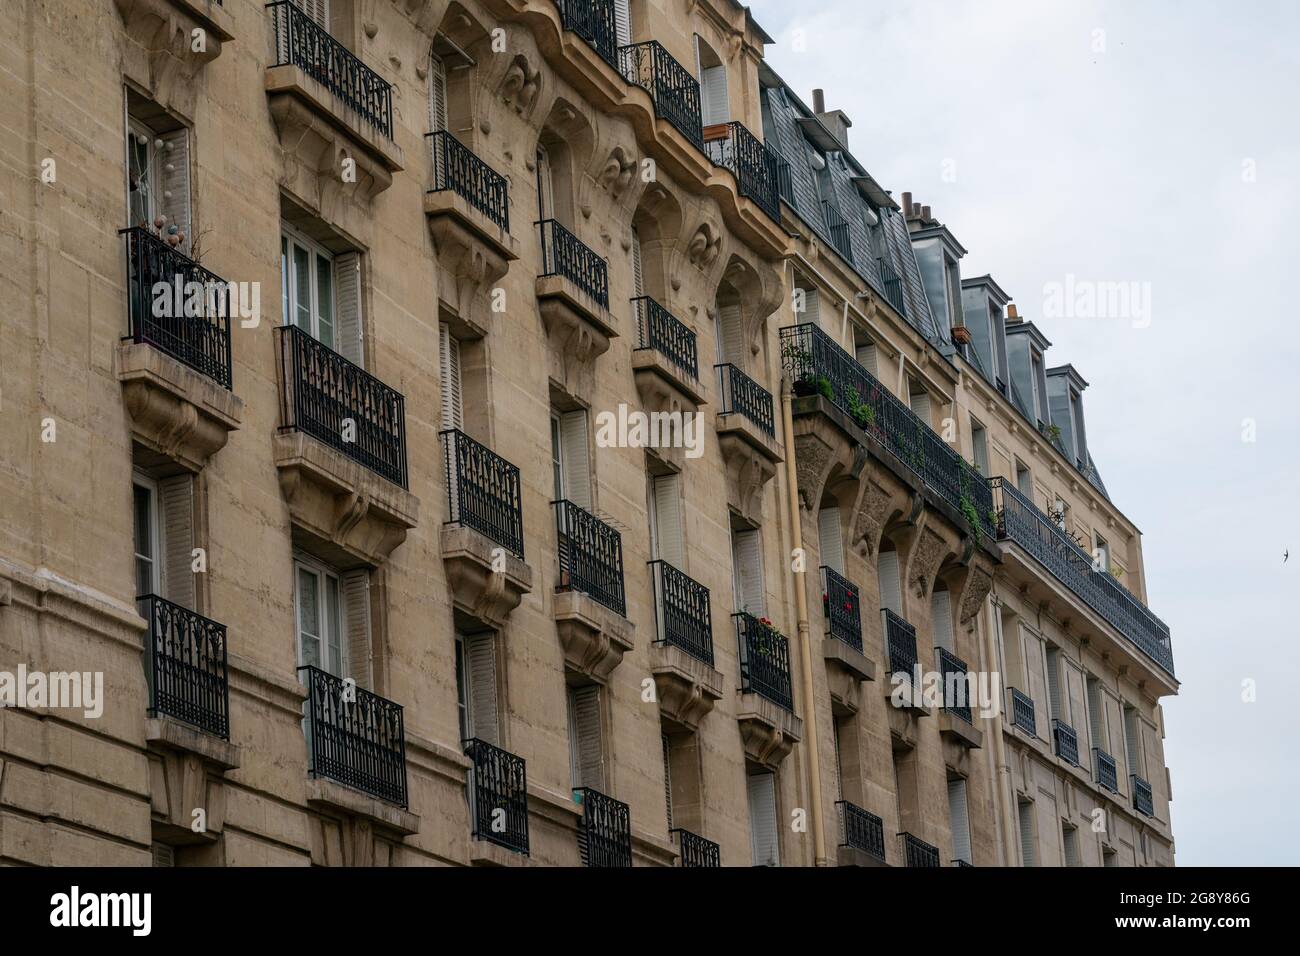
958, 732
751, 457
178, 37
187, 774
972, 585
473, 253
593, 637
768, 732
924, 547
578, 331
352, 828
686, 688
477, 587
846, 669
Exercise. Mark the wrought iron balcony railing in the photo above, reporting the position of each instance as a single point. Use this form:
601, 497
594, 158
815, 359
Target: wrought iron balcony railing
1022, 712
1067, 742
1021, 521
593, 20
605, 833
301, 42
694, 850
861, 829
591, 556
1142, 799
956, 684
1107, 772
160, 279
742, 394
659, 329
354, 736
837, 228
892, 287
186, 666
916, 852
841, 603
564, 254
816, 364
498, 796
900, 643
764, 660
455, 167
675, 92
733, 147
341, 404
483, 491
682, 614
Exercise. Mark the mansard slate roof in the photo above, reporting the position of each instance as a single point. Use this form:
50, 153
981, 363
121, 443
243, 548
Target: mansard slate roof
850, 180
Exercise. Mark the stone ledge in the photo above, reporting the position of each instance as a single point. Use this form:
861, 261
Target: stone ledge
594, 638
487, 853
768, 731
852, 856
174, 410
169, 733
687, 688
662, 385
835, 651
449, 204
958, 731
146, 21
332, 796
287, 79
477, 588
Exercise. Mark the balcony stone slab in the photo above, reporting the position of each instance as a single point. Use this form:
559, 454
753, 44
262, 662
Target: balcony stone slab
846, 669
164, 31
751, 457
175, 411
473, 253
487, 581
662, 385
686, 687
351, 515
767, 730
578, 330
852, 856
186, 773
364, 824
594, 638
487, 853
959, 732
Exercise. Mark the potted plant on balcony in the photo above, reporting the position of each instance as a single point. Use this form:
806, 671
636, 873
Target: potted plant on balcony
961, 335
814, 385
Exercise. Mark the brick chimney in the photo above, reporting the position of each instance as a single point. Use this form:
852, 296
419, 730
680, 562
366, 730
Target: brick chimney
1013, 316
837, 121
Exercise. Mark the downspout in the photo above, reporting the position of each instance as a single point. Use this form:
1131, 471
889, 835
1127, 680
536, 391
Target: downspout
1002, 792
801, 611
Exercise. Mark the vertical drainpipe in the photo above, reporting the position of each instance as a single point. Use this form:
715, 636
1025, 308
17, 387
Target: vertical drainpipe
1003, 793
801, 610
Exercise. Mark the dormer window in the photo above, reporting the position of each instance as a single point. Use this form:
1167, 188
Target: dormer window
1035, 384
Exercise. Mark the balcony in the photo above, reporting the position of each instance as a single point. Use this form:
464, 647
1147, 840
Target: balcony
686, 683
1105, 769
746, 429
1067, 742
1143, 802
841, 606
593, 20
483, 538
498, 796
1021, 523
665, 362
956, 724
186, 666
862, 836
892, 287
817, 365
605, 831
326, 101
768, 727
675, 92
754, 166
590, 605
694, 850
573, 297
354, 737
916, 852
900, 643
456, 169
1022, 712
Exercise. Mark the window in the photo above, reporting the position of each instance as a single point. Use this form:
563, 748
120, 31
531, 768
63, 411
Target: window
163, 855
830, 536
570, 462
158, 171
321, 293
891, 595
959, 819
920, 402
545, 186
1035, 374
665, 508
1025, 814
1024, 481
713, 85
437, 93
730, 335
941, 615
1096, 714
318, 10
807, 304
979, 439
453, 410
164, 538
1054, 694
1059, 511
1133, 742
1070, 842
747, 572
586, 739
764, 841
476, 687
1100, 553
638, 269
668, 778
1109, 857
148, 578
953, 279
865, 352
320, 620
622, 23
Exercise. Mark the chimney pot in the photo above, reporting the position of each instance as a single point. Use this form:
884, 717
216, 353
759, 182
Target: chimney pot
1012, 314
907, 203
925, 213
819, 101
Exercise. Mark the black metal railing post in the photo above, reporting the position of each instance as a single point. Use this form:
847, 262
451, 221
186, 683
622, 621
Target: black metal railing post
177, 306
498, 796
842, 607
659, 329
754, 166
675, 92
605, 833
741, 394
565, 255
764, 660
590, 556
456, 168
186, 666
683, 617
861, 829
483, 491
355, 737
694, 850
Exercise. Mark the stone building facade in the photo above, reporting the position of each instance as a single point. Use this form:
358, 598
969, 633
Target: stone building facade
349, 436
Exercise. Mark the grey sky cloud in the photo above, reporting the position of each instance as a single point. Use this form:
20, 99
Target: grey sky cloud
1154, 143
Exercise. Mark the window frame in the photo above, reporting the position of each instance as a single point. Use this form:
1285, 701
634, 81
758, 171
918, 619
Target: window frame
324, 574
290, 239
155, 531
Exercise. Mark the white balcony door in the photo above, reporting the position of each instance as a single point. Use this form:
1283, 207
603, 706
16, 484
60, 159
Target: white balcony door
747, 569
570, 459
830, 538
666, 520
761, 789
307, 287
319, 601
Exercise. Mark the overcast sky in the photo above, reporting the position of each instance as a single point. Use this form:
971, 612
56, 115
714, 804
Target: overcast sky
1147, 142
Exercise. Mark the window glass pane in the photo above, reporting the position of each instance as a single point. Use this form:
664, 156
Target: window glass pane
462, 710
285, 317
325, 300
140, 153
302, 289
333, 627
555, 458
309, 618
143, 541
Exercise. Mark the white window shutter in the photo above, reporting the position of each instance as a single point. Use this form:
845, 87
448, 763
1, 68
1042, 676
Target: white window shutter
1054, 697
480, 651
318, 10
668, 779
1097, 716
941, 615
576, 461
622, 23
920, 402
356, 624
1133, 743
1037, 685
1026, 821
812, 311
887, 572
713, 95
830, 537
176, 510
1115, 724
730, 336
585, 735
453, 409
347, 291
437, 94
668, 520
173, 165
638, 273
867, 359
748, 560
1073, 700
762, 819
959, 819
